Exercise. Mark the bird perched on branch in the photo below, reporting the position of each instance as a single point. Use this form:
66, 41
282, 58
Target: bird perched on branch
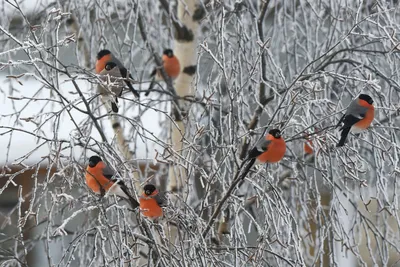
357, 118
270, 149
171, 66
151, 202
108, 65
100, 179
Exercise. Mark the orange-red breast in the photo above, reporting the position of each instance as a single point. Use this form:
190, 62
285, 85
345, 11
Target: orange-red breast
358, 117
108, 64
99, 178
270, 149
171, 65
151, 202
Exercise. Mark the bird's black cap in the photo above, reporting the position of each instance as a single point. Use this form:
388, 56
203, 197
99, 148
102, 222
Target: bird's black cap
168, 52
275, 133
366, 98
103, 53
94, 160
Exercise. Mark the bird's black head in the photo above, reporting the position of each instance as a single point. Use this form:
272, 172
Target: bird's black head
275, 133
366, 98
103, 53
110, 65
93, 161
168, 52
149, 189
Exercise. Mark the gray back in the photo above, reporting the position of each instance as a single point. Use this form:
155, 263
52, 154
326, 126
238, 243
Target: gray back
356, 109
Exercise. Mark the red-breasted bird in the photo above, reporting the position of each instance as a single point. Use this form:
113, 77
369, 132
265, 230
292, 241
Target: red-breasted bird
357, 118
108, 64
151, 202
171, 66
99, 178
270, 149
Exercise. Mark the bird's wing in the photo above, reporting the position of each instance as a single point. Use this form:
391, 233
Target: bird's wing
161, 199
354, 113
119, 63
123, 71
259, 148
108, 172
114, 72
126, 75
356, 109
111, 175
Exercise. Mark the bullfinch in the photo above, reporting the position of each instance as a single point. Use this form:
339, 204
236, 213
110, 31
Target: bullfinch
99, 178
108, 64
151, 202
357, 118
171, 66
270, 149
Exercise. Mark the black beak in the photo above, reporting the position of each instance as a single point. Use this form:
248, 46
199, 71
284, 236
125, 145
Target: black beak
91, 164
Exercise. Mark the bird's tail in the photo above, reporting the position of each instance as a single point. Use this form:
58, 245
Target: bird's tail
345, 132
114, 106
133, 201
108, 100
131, 87
134, 92
151, 86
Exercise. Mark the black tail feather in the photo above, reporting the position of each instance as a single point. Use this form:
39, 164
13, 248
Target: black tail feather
133, 201
151, 86
254, 153
114, 107
124, 73
132, 89
345, 132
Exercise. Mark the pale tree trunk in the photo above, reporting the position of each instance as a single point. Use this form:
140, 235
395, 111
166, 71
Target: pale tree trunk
188, 15
185, 49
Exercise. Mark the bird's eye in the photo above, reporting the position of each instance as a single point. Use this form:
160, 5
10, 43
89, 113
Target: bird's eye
148, 192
